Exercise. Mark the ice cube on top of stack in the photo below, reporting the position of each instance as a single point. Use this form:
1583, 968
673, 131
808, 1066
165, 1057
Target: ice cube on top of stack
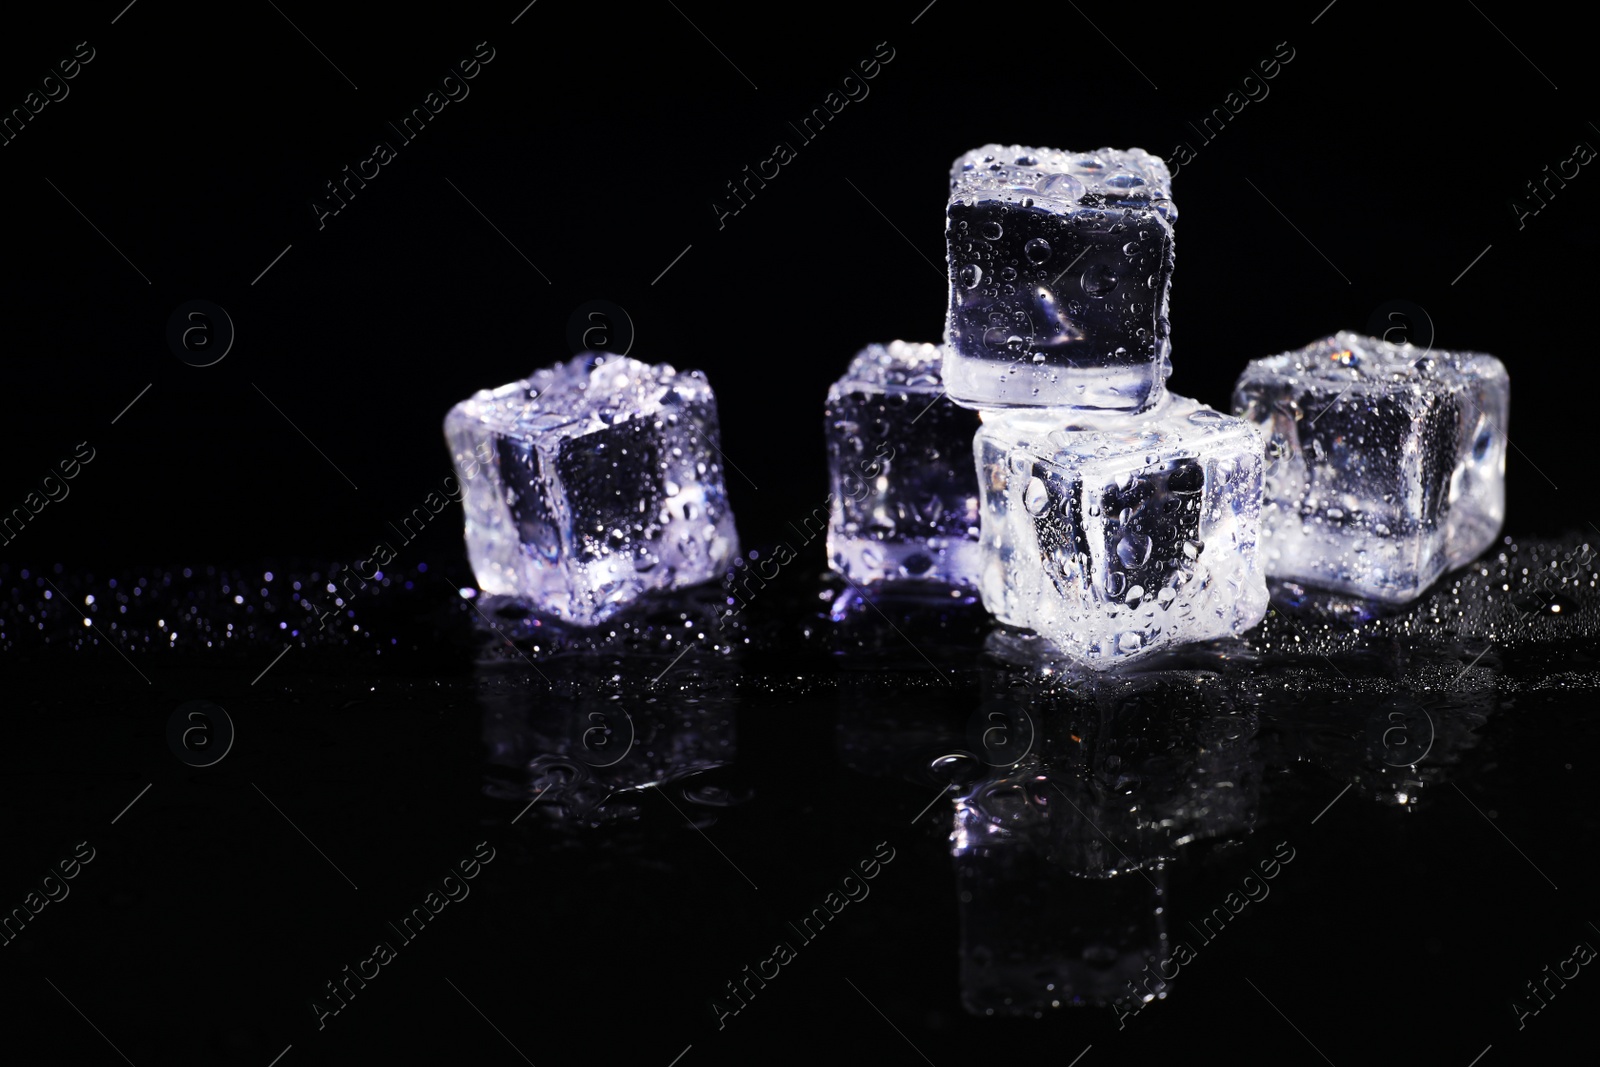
1060, 263
904, 495
1386, 462
592, 482
1115, 535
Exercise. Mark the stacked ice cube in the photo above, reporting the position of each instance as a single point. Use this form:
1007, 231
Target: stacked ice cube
1115, 518
1059, 269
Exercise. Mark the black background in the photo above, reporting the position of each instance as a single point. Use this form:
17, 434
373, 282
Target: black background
597, 141
1381, 165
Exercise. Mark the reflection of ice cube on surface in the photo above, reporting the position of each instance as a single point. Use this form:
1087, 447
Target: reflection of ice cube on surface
1060, 264
1115, 536
1386, 462
904, 497
1034, 938
584, 755
1060, 857
592, 482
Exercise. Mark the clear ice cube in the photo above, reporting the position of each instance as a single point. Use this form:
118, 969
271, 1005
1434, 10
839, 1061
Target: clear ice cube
592, 482
905, 500
1060, 264
1115, 536
1385, 462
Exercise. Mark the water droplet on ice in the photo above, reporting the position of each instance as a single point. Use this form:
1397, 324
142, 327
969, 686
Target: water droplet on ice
970, 275
992, 231
1134, 549
1036, 498
1099, 280
1037, 250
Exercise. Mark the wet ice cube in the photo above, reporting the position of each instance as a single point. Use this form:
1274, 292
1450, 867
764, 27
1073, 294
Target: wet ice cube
1059, 268
1385, 462
592, 482
1114, 535
905, 499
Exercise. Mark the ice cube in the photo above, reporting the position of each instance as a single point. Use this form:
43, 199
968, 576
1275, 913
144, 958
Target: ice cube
1059, 268
905, 499
1385, 462
592, 482
1114, 536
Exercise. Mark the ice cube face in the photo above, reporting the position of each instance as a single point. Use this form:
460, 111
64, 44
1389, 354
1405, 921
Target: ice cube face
905, 500
1059, 269
592, 482
1385, 463
1114, 537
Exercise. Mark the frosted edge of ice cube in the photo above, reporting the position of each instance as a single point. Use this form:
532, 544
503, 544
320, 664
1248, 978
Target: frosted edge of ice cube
903, 505
1346, 541
585, 576
1049, 550
1007, 173
909, 365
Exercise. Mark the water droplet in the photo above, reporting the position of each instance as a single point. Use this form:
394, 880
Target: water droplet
1116, 582
1036, 498
1192, 549
1061, 186
1037, 250
1131, 248
970, 275
1135, 595
993, 231
1099, 280
1134, 549
1125, 181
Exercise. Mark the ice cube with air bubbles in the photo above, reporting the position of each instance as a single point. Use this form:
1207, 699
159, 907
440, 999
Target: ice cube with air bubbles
1385, 462
1114, 536
1059, 265
591, 483
904, 500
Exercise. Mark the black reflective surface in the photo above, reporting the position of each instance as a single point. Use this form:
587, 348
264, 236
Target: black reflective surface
830, 829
